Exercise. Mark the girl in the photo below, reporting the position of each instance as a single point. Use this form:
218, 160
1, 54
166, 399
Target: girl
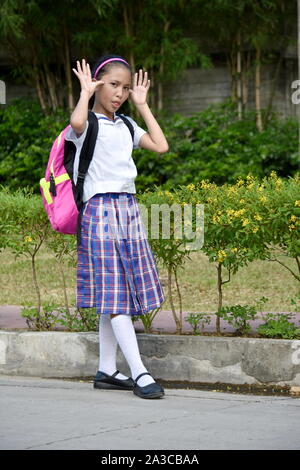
116, 272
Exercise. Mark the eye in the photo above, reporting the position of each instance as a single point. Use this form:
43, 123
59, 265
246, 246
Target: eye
126, 88
113, 84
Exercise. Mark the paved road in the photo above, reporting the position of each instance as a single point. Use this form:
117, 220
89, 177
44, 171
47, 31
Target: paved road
41, 414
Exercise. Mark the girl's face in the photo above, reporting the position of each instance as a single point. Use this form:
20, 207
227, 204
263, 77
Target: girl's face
115, 90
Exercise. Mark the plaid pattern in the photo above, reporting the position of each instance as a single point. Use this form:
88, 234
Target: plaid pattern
116, 270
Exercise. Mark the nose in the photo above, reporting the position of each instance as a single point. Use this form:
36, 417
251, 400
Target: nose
119, 92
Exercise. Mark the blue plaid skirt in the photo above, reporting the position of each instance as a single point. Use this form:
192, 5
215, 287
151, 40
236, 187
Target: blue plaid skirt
116, 269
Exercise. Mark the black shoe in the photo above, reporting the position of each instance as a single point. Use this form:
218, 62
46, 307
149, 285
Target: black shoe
110, 382
153, 390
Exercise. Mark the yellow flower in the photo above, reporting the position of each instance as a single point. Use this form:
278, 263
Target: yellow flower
260, 188
292, 227
250, 185
240, 212
242, 201
170, 195
234, 250
297, 203
240, 182
221, 256
231, 190
255, 229
245, 222
230, 212
28, 240
216, 219
263, 199
257, 217
205, 184
191, 187
273, 175
293, 218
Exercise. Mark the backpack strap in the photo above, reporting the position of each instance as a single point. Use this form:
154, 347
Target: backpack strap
128, 124
86, 156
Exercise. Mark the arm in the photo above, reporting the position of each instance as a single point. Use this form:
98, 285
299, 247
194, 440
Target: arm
88, 88
154, 139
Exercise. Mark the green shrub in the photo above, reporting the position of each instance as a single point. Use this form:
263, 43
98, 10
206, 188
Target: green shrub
214, 145
26, 137
279, 326
210, 145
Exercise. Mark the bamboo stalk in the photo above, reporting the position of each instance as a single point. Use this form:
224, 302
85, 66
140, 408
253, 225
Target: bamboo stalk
259, 123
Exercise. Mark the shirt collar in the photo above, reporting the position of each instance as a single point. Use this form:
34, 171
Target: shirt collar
105, 118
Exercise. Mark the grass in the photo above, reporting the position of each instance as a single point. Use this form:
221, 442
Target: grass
198, 281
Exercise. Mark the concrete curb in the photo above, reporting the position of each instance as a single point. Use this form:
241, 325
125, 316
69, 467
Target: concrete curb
193, 359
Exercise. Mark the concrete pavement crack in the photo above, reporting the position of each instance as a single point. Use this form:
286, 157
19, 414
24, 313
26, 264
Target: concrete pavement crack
121, 428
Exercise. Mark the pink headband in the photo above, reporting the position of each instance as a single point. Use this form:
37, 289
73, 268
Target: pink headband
107, 61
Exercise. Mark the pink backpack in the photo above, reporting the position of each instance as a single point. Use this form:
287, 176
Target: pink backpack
62, 199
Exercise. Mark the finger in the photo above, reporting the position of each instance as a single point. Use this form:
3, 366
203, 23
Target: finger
99, 83
89, 70
135, 79
76, 73
84, 69
140, 80
145, 81
78, 66
148, 85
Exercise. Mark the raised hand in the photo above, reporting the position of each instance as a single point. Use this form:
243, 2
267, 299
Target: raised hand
140, 88
84, 75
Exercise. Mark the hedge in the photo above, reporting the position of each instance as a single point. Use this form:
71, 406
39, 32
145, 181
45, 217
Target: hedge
242, 222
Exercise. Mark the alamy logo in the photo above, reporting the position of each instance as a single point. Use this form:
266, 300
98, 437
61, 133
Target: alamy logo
183, 223
2, 92
186, 224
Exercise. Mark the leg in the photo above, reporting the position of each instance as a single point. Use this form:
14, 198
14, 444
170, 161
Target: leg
108, 347
126, 337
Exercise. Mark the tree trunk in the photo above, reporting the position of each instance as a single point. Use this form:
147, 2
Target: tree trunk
177, 321
273, 87
298, 74
239, 77
51, 87
220, 298
259, 124
40, 92
67, 65
160, 101
35, 281
127, 16
232, 70
245, 79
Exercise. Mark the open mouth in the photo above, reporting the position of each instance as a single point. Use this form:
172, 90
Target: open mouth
116, 104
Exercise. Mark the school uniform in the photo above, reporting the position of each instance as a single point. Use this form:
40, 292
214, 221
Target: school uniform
116, 271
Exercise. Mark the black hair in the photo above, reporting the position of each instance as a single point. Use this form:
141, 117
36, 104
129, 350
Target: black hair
106, 69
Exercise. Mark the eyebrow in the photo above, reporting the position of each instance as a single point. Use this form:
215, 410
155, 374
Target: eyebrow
117, 81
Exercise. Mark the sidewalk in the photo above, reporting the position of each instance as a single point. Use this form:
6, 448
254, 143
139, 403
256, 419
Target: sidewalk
41, 414
10, 317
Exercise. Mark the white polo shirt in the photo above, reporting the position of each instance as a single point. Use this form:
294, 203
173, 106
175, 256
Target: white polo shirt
112, 168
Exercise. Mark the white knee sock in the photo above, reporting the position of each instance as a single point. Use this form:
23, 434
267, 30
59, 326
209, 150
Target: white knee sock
108, 348
125, 333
